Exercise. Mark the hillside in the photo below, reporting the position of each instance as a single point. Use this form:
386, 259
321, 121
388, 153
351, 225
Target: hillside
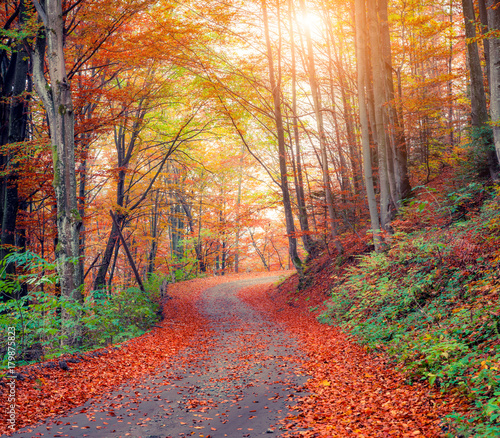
430, 302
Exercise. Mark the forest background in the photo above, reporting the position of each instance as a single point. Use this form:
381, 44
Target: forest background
146, 142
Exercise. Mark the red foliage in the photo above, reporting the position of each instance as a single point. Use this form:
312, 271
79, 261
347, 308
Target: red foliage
48, 392
351, 392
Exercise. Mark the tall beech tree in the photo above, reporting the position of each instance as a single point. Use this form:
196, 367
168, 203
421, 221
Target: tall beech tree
361, 55
55, 93
309, 243
479, 112
318, 112
278, 118
494, 58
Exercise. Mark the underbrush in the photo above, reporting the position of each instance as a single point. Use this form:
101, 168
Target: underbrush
432, 303
36, 317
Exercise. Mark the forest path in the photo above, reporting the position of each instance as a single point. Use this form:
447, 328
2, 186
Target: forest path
237, 382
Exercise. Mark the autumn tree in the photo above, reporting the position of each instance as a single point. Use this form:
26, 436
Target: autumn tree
276, 93
14, 85
493, 15
55, 93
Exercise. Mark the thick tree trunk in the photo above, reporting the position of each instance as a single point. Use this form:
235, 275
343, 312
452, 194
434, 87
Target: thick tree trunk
479, 115
379, 84
361, 39
494, 25
479, 111
397, 145
483, 16
58, 103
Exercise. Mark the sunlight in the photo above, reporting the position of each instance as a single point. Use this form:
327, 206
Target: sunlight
310, 20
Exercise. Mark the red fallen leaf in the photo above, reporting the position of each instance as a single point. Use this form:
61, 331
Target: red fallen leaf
337, 366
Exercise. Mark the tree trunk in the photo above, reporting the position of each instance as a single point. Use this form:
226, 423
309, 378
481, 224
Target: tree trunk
361, 39
258, 251
309, 244
479, 115
154, 235
397, 144
190, 221
483, 16
13, 122
316, 93
379, 83
278, 118
58, 103
100, 280
238, 207
494, 25
479, 111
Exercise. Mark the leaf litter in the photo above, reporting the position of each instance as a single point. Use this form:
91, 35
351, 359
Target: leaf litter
349, 392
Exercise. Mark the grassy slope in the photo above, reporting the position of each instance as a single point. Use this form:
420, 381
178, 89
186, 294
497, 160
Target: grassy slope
431, 302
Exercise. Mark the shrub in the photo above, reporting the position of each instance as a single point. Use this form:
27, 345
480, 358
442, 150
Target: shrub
432, 303
36, 316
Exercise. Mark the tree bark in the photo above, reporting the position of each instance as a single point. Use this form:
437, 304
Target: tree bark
13, 122
397, 144
494, 24
386, 211
479, 114
307, 240
483, 16
316, 94
361, 38
278, 119
479, 111
58, 103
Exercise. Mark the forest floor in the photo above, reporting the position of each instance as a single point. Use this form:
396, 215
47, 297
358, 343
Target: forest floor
232, 358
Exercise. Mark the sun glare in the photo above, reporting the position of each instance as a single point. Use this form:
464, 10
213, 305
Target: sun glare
310, 21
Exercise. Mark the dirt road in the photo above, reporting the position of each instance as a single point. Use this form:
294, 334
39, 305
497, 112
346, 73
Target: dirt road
238, 382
